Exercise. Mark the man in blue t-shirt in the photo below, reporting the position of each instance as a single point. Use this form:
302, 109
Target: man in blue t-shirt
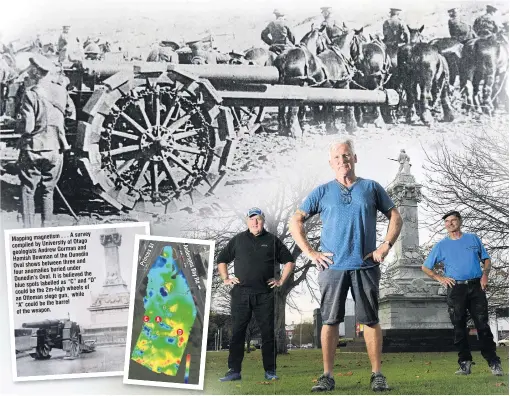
461, 254
348, 256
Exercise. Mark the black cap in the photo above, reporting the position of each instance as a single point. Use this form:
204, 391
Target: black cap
452, 213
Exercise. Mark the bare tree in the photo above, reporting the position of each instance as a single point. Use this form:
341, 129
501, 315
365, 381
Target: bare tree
474, 180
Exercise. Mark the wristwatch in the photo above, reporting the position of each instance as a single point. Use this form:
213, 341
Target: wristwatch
389, 243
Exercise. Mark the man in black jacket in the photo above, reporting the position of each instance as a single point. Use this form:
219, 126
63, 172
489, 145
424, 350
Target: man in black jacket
256, 254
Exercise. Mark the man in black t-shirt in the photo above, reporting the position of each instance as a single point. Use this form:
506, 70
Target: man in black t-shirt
256, 254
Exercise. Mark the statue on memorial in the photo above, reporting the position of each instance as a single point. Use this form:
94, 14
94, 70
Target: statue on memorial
404, 161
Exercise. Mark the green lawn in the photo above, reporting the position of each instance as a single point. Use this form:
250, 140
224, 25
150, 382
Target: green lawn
407, 373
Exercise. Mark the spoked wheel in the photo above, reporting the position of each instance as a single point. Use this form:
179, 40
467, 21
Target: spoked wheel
150, 143
42, 352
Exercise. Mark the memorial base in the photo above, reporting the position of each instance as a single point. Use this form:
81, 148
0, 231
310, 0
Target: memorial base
422, 340
106, 335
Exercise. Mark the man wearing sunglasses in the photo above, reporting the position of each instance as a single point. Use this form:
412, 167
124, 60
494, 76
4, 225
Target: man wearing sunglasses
349, 258
461, 254
256, 254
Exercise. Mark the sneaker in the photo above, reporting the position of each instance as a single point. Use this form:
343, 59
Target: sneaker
378, 382
324, 383
271, 376
231, 375
496, 368
464, 368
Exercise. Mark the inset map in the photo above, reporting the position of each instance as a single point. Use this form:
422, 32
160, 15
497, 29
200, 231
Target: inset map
169, 327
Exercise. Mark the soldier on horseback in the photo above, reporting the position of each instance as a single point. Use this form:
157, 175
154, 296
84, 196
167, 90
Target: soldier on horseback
278, 34
487, 24
330, 25
394, 29
459, 30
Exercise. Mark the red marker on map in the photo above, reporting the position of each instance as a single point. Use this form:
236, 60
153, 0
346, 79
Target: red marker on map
146, 318
158, 319
179, 332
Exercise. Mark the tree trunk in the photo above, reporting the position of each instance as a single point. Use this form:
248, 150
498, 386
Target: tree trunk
280, 333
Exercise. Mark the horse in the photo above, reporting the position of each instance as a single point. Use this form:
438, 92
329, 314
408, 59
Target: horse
337, 71
421, 65
484, 59
451, 49
259, 57
372, 72
299, 66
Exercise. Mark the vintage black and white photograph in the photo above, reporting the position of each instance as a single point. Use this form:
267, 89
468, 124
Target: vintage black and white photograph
193, 114
69, 293
169, 312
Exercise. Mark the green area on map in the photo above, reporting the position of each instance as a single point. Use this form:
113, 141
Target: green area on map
168, 318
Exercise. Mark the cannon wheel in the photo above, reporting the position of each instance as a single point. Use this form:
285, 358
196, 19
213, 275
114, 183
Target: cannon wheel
149, 143
42, 352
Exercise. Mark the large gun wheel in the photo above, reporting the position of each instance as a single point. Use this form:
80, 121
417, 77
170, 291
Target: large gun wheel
42, 352
149, 141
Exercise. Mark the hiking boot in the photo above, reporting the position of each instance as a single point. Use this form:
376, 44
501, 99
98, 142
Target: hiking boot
378, 382
496, 368
271, 376
324, 384
464, 368
231, 375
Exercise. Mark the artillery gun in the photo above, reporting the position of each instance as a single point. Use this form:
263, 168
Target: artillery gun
57, 333
157, 137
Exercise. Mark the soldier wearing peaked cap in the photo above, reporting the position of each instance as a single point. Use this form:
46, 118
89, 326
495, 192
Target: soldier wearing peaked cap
41, 125
487, 23
458, 30
394, 30
329, 23
278, 34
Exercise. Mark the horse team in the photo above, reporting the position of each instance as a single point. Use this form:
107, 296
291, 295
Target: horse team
423, 72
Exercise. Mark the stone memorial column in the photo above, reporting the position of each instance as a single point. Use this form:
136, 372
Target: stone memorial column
412, 307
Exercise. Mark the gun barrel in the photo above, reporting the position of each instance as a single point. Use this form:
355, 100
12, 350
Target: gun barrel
42, 324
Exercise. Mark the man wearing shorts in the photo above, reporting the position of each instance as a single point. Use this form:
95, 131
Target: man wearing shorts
349, 258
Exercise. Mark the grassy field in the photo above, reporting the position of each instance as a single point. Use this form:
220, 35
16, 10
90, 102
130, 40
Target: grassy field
407, 373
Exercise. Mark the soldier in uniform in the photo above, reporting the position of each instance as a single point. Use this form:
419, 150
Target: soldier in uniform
41, 123
278, 34
333, 29
394, 30
459, 30
165, 52
203, 53
487, 24
62, 44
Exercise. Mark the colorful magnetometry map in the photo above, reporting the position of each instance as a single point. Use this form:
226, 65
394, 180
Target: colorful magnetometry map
168, 318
